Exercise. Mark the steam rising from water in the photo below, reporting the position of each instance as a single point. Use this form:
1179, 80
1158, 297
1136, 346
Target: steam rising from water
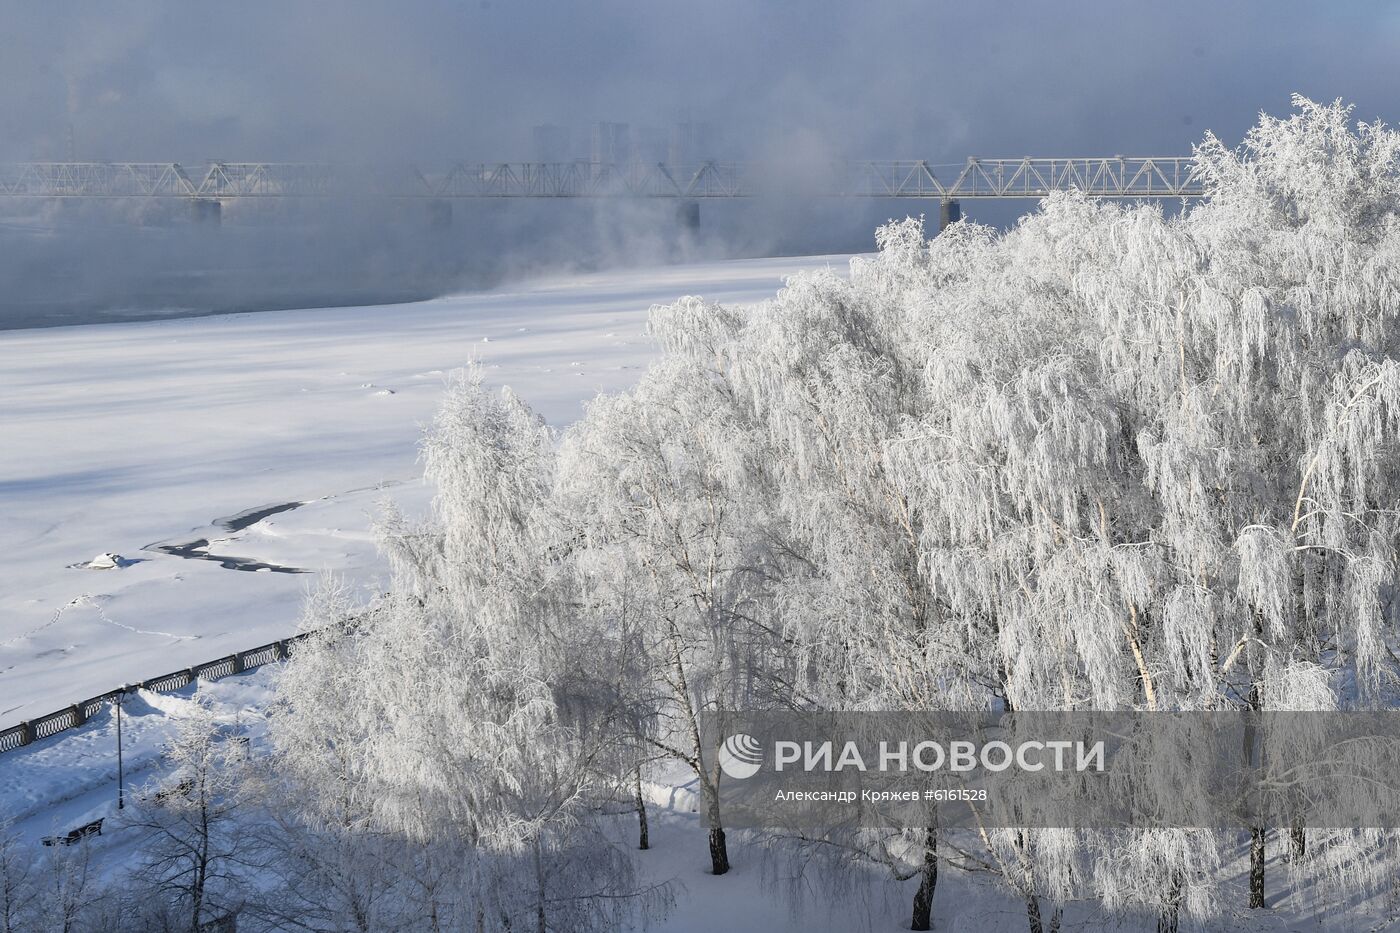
437, 81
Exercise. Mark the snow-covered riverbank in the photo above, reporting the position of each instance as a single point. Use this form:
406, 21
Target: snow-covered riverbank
127, 438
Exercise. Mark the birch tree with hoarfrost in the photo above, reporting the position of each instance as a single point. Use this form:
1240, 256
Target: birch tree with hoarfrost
447, 713
1115, 458
1133, 460
663, 491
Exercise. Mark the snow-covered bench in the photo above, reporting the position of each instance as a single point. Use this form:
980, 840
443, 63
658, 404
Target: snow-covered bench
77, 835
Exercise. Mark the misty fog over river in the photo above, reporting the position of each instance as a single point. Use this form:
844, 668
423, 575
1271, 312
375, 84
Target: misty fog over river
76, 263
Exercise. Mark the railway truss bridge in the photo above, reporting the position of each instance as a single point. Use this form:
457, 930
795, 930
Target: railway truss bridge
212, 184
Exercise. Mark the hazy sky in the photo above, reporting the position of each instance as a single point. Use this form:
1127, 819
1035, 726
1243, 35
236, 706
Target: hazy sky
433, 80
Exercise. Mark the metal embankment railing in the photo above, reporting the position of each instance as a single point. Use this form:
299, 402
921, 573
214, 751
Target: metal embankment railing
41, 727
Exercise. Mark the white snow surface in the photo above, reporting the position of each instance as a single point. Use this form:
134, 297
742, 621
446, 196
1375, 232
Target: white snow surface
117, 437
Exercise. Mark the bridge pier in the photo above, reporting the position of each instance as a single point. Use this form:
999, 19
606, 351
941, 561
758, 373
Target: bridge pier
688, 215
440, 214
949, 212
206, 211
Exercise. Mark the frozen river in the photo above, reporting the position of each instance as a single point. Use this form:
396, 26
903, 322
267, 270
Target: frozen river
212, 453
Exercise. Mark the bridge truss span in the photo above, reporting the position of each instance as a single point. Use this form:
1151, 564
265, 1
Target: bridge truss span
1115, 177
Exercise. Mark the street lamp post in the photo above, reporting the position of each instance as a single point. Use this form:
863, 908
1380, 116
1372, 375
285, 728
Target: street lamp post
121, 782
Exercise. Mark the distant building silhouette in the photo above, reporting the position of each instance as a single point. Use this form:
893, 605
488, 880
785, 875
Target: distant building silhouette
690, 142
612, 142
551, 143
649, 144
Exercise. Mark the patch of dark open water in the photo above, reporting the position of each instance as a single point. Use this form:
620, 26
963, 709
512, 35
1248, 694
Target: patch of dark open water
198, 548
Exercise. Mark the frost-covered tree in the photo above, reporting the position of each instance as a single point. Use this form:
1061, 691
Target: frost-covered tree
332, 878
1111, 459
1158, 454
828, 374
197, 856
661, 490
70, 893
453, 711
18, 883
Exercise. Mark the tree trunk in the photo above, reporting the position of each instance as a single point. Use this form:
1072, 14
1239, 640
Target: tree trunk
1056, 916
197, 890
709, 784
643, 840
1252, 760
1297, 843
1033, 914
1033, 918
1256, 867
719, 852
540, 924
1170, 919
928, 880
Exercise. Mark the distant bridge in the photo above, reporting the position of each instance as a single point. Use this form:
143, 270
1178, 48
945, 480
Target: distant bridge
1116, 177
